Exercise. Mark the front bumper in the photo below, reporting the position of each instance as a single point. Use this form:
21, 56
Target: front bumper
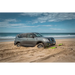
49, 43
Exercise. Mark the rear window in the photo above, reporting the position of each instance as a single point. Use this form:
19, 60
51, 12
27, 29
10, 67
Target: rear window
19, 36
29, 35
22, 36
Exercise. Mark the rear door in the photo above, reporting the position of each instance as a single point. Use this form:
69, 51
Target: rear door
30, 40
23, 39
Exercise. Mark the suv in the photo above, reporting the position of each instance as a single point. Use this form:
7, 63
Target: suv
33, 39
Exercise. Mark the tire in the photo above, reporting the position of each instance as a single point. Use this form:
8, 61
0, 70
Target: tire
18, 44
53, 44
40, 45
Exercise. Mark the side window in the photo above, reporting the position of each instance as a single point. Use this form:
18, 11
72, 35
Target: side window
34, 35
29, 35
24, 36
19, 36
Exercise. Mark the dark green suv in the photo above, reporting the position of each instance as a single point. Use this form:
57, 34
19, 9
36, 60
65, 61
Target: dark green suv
33, 39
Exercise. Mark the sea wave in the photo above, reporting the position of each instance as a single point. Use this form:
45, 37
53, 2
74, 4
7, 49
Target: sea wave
56, 36
7, 37
59, 35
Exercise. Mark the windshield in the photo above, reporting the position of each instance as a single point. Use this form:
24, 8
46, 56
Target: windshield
38, 35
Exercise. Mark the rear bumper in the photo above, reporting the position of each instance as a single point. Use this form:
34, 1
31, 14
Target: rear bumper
49, 43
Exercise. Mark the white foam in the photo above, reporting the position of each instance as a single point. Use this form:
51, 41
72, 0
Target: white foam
12, 37
59, 35
8, 37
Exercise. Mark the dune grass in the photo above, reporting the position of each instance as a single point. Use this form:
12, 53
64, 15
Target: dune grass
52, 48
60, 44
55, 47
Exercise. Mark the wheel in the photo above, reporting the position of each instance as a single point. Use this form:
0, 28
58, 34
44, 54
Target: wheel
40, 45
18, 44
53, 44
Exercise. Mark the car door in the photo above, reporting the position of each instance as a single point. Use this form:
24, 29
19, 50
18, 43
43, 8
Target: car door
23, 39
31, 41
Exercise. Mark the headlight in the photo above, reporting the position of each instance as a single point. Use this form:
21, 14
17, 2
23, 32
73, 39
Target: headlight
46, 40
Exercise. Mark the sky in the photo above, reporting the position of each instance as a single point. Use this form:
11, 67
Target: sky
44, 22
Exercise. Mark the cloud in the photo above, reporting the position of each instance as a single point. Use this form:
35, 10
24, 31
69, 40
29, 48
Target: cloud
56, 15
29, 26
10, 20
32, 12
49, 15
47, 25
38, 26
6, 23
56, 29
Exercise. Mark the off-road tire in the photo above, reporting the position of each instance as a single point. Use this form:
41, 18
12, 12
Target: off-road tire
18, 45
40, 45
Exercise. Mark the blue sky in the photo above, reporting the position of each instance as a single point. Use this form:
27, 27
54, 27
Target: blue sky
37, 22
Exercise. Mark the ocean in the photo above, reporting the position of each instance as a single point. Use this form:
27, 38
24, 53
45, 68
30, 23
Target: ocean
11, 36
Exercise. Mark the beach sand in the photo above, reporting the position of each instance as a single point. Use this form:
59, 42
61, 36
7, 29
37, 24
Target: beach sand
64, 53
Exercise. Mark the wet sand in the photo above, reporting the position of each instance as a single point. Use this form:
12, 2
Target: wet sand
64, 53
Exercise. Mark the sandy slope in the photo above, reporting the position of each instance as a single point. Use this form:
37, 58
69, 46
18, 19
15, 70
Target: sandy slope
64, 53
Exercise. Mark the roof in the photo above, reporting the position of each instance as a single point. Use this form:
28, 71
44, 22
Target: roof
25, 33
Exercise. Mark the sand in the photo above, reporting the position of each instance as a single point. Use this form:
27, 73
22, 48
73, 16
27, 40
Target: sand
65, 53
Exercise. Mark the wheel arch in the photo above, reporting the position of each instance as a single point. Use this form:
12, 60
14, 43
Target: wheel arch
17, 42
39, 42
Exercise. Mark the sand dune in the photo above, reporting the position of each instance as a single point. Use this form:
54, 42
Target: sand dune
64, 53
